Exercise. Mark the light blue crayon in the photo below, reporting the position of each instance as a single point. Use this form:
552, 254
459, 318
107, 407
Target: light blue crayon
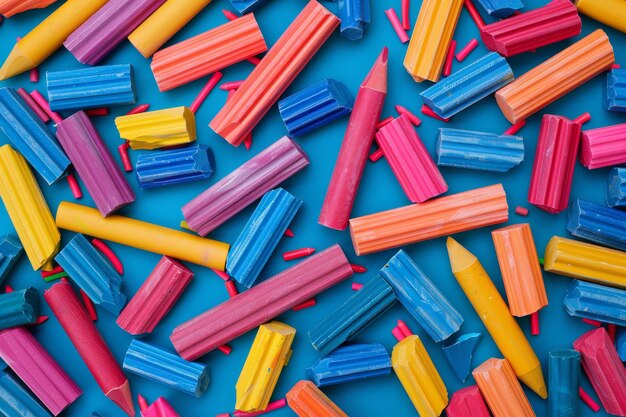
355, 17
616, 188
615, 93
246, 6
563, 383
16, 401
501, 8
459, 352
596, 302
597, 223
174, 166
10, 251
620, 343
18, 308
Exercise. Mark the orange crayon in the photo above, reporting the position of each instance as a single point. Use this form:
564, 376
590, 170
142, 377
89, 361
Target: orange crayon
306, 400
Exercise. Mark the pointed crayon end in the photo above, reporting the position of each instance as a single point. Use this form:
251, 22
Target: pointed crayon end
377, 77
123, 398
535, 381
460, 258
143, 403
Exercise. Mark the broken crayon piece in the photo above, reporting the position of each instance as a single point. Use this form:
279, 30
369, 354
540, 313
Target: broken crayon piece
158, 129
616, 188
597, 223
467, 402
602, 147
18, 308
459, 352
501, 8
615, 92
174, 166
10, 251
355, 17
596, 302
306, 400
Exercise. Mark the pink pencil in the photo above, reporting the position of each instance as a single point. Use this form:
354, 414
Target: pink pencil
603, 147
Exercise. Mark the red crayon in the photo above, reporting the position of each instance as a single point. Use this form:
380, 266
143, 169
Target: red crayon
306, 304
359, 269
376, 155
297, 253
109, 254
355, 147
384, 122
97, 112
447, 68
466, 50
406, 19
139, 109
356, 286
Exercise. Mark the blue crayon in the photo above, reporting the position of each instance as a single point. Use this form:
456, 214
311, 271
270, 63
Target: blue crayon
260, 236
246, 6
468, 85
174, 166
421, 297
597, 223
459, 352
15, 401
18, 308
596, 302
92, 273
363, 307
87, 88
315, 106
616, 188
501, 8
479, 150
10, 250
355, 17
563, 383
615, 93
160, 365
350, 363
620, 343
31, 137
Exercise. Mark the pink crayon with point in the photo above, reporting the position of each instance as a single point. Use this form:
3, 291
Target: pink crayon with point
160, 408
603, 147
467, 402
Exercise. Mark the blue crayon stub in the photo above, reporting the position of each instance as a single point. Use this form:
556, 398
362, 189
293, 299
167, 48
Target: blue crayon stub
459, 352
160, 365
315, 106
596, 302
468, 85
174, 166
260, 236
355, 17
620, 343
563, 383
501, 8
615, 92
597, 223
246, 6
616, 188
423, 300
350, 363
16, 401
10, 251
18, 308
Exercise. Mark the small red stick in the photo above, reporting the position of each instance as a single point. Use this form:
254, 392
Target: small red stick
123, 151
221, 274
91, 309
297, 253
57, 270
396, 25
398, 334
429, 112
225, 349
534, 323
616, 66
412, 118
274, 405
474, 14
71, 181
583, 118
8, 289
110, 255
231, 288
594, 323
384, 122
288, 233
231, 85
522, 211
41, 319
254, 60
97, 112
209, 86
34, 75
143, 404
33, 105
466, 50
247, 141
447, 68
406, 19
305, 304
513, 129
589, 402
229, 15
43, 103
611, 329
139, 109
405, 329
356, 286
359, 269
376, 155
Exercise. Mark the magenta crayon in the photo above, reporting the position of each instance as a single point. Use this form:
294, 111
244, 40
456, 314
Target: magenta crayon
396, 25
447, 67
297, 253
466, 50
45, 106
467, 402
376, 155
412, 118
109, 254
406, 19
603, 147
33, 105
209, 86
74, 187
384, 122
515, 128
589, 402
160, 408
356, 286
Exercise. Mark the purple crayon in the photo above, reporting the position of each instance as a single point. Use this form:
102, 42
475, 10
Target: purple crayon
94, 163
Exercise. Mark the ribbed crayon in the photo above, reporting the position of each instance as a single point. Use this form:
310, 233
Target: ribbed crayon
156, 296
603, 147
410, 161
261, 303
604, 369
94, 163
244, 185
616, 188
93, 274
347, 320
419, 295
158, 129
107, 28
597, 223
596, 302
350, 363
355, 18
87, 88
554, 22
174, 166
246, 6
479, 150
563, 383
555, 158
10, 251
31, 137
620, 343
468, 85
18, 308
9, 8
501, 8
306, 400
459, 352
467, 402
615, 93
315, 106
165, 367
259, 237
16, 401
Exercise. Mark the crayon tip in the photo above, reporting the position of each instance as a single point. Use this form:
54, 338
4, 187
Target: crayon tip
460, 258
377, 77
534, 380
16, 63
143, 403
123, 398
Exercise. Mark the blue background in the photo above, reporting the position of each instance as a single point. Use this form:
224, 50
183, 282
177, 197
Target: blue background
348, 62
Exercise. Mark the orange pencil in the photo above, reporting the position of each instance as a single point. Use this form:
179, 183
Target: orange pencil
306, 400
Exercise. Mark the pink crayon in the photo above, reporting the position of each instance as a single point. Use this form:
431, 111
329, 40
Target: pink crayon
404, 328
356, 286
231, 85
467, 402
39, 371
74, 187
397, 333
33, 105
415, 170
209, 86
406, 19
384, 122
412, 118
603, 147
109, 254
515, 128
160, 408
553, 169
447, 68
156, 296
396, 25
274, 405
466, 50
589, 402
34, 75
45, 106
604, 369
376, 155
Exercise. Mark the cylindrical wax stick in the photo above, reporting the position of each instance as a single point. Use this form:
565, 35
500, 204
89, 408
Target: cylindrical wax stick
306, 400
597, 223
355, 17
33, 105
18, 308
596, 302
603, 147
563, 383
609, 12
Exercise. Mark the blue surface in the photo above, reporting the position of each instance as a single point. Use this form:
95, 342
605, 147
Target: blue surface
348, 62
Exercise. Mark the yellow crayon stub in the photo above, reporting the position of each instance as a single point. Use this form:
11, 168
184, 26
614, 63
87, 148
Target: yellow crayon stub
419, 377
158, 129
609, 12
27, 208
268, 355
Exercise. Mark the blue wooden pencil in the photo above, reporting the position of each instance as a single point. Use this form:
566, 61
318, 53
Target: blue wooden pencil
174, 166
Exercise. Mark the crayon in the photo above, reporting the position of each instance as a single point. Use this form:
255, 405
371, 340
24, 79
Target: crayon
45, 106
419, 377
419, 295
431, 37
350, 363
496, 317
616, 188
596, 302
315, 106
48, 36
406, 112
276, 71
94, 163
501, 8
260, 236
37, 369
351, 317
142, 235
604, 369
43, 116
554, 22
355, 18
597, 223
268, 354
10, 251
602, 147
16, 401
174, 166
467, 402
553, 168
262, 302
207, 52
469, 85
410, 161
585, 261
158, 129
206, 90
459, 352
556, 77
396, 25
9, 8
246, 6
479, 150
454, 213
466, 50
563, 383
501, 389
615, 92
27, 209
244, 185
160, 408
620, 343
109, 254
18, 308
355, 147
609, 12
306, 400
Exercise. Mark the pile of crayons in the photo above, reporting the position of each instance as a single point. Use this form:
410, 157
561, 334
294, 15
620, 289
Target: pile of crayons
52, 137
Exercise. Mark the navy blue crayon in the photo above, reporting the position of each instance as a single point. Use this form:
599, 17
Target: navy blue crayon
616, 188
615, 93
597, 223
10, 250
355, 17
18, 308
174, 166
596, 302
563, 383
501, 8
15, 401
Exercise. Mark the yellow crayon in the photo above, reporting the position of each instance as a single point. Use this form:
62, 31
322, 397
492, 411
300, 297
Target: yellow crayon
419, 377
496, 317
158, 129
268, 355
27, 208
609, 12
48, 36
